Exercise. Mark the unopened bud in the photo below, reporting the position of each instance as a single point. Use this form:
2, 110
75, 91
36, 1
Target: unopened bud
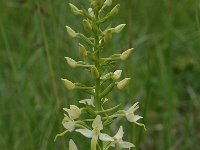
107, 76
108, 36
71, 32
119, 28
68, 84
117, 74
107, 3
123, 83
126, 54
96, 4
72, 63
82, 50
91, 12
95, 72
75, 10
87, 26
115, 10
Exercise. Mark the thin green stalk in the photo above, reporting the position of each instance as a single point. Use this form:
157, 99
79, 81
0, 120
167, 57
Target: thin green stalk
97, 65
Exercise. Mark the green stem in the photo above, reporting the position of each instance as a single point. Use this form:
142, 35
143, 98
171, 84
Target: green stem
97, 65
118, 147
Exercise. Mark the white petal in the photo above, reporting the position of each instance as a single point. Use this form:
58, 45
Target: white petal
88, 102
87, 133
133, 108
97, 123
126, 144
84, 101
65, 119
130, 117
105, 137
133, 118
120, 133
137, 117
70, 125
74, 112
72, 145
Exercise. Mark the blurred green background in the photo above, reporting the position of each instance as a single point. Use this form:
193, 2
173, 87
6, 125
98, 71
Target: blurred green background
165, 68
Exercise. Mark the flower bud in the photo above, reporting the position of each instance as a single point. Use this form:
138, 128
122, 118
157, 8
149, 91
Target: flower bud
107, 3
126, 54
117, 74
71, 32
107, 76
95, 72
82, 50
108, 36
115, 10
75, 10
72, 63
123, 83
119, 28
86, 25
68, 84
91, 12
97, 4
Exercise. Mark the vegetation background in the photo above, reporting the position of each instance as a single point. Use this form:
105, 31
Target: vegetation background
165, 68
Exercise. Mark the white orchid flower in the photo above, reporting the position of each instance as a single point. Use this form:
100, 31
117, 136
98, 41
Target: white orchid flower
72, 145
74, 112
68, 122
95, 134
119, 142
130, 116
88, 101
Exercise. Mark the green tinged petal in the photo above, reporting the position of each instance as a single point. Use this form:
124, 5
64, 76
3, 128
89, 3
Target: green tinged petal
72, 145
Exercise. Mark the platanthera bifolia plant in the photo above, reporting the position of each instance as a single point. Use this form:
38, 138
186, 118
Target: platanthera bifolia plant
95, 116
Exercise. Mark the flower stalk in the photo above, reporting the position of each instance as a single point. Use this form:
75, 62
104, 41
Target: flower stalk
97, 113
